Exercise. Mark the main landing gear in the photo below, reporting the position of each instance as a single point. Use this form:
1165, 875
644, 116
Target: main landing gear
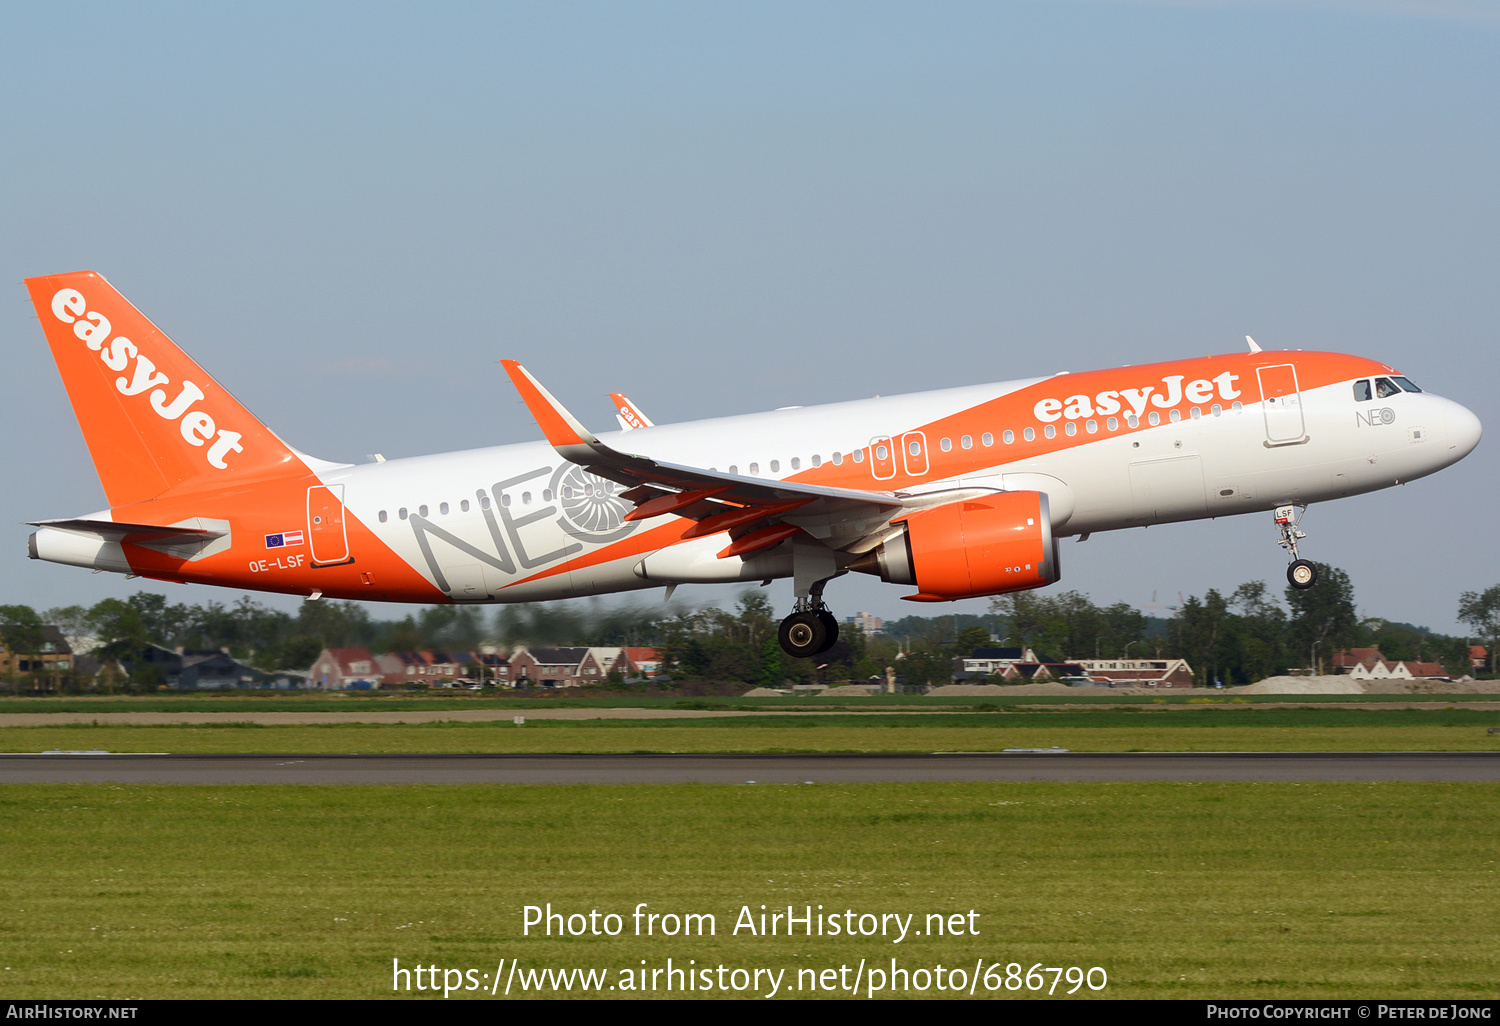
1302, 573
807, 632
810, 628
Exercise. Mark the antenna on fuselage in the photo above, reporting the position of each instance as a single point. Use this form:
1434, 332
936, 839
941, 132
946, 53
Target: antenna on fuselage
1253, 347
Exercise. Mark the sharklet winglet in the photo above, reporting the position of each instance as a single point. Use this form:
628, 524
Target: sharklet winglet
560, 427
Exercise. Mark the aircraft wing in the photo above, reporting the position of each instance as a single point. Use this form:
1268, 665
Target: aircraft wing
752, 509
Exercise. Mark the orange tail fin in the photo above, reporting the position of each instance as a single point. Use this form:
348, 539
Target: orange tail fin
153, 420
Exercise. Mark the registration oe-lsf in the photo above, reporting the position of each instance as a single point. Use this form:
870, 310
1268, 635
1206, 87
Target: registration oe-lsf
957, 493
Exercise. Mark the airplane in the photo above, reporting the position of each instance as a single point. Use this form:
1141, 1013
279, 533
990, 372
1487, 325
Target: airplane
960, 493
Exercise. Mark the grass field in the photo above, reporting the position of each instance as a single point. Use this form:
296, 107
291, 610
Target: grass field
344, 701
1177, 890
1270, 731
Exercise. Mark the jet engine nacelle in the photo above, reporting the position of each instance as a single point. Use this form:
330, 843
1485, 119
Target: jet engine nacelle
985, 546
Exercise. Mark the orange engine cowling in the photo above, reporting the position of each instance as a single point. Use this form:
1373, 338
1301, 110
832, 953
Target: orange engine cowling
984, 546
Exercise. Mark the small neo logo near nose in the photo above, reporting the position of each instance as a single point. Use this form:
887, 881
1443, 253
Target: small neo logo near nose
1374, 418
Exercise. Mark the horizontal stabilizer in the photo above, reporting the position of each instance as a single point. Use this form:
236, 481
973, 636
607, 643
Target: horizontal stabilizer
137, 533
97, 544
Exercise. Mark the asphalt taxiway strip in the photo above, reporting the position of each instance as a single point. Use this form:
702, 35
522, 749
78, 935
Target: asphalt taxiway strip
748, 769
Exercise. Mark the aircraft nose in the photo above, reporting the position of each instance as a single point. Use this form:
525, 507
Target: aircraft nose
1464, 431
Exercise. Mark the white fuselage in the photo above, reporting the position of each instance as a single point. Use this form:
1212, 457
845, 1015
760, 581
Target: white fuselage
495, 524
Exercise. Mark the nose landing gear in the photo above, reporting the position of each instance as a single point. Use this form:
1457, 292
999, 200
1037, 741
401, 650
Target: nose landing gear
1301, 574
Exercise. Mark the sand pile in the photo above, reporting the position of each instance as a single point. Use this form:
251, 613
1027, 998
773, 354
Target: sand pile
1325, 685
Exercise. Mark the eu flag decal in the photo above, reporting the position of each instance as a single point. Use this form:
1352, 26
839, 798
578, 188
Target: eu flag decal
285, 538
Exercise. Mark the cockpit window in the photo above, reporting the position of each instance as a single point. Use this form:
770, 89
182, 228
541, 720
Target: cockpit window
1362, 391
1385, 388
1406, 384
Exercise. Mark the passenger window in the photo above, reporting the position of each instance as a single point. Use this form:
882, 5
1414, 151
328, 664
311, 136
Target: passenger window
1028, 434
987, 439
859, 455
463, 505
1071, 429
1051, 430
1091, 426
754, 469
734, 469
947, 444
1153, 418
382, 516
838, 459
401, 513
1009, 436
967, 441
422, 510
1385, 388
443, 508
775, 466
1113, 423
796, 462
1406, 383
1362, 391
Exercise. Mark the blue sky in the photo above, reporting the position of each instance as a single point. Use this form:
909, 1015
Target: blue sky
348, 213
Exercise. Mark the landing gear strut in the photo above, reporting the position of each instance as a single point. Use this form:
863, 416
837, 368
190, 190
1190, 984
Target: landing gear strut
810, 628
1302, 573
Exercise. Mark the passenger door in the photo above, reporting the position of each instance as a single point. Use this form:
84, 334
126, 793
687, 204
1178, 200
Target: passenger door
326, 535
1281, 404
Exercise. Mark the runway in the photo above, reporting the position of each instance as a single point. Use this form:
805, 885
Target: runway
748, 769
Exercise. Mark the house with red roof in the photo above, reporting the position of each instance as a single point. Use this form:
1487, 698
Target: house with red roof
644, 661
338, 669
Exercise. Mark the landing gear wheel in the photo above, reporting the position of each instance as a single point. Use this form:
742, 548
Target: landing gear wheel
1302, 574
802, 634
830, 629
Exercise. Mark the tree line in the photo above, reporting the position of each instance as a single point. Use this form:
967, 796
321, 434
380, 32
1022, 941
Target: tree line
1234, 638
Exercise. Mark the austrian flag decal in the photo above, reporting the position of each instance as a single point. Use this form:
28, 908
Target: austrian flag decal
285, 538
